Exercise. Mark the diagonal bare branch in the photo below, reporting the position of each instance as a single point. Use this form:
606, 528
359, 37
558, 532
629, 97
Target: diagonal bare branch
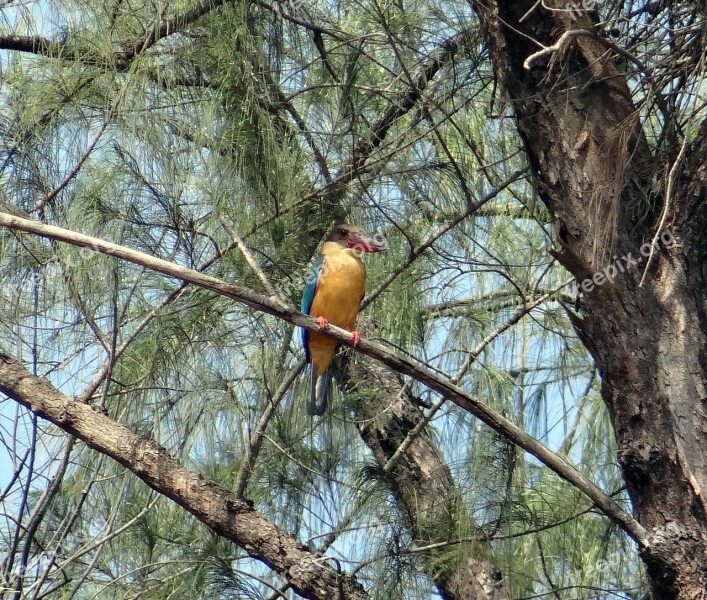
212, 504
400, 364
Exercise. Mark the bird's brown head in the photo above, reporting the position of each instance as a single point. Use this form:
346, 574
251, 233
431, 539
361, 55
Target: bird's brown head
356, 238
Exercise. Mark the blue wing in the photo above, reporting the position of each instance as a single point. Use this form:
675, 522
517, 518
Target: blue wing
308, 298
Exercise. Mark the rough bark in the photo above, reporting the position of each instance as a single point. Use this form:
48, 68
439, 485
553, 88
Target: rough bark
422, 483
398, 363
310, 576
605, 188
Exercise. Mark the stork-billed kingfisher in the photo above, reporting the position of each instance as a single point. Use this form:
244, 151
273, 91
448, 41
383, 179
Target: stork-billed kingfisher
333, 294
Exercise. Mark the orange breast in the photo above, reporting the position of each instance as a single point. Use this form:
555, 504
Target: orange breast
340, 288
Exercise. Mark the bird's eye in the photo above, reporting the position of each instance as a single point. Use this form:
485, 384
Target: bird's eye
344, 232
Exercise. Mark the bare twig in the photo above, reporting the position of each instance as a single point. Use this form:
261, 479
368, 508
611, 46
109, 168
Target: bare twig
259, 434
669, 188
429, 242
400, 364
252, 263
564, 39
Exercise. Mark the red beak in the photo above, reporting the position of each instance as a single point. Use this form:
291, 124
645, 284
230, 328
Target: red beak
366, 243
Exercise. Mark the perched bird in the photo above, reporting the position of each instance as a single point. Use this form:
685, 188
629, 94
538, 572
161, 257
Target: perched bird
333, 294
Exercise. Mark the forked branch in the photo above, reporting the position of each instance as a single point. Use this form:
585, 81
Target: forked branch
400, 364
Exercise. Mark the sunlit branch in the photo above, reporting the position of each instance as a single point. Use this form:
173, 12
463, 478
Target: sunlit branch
250, 260
400, 364
212, 504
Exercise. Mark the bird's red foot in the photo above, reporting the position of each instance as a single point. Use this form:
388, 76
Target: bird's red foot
322, 323
356, 337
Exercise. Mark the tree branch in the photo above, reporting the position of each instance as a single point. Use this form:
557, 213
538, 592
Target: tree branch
395, 429
33, 44
212, 504
131, 48
400, 364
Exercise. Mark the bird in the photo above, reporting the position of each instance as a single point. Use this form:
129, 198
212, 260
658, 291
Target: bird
334, 290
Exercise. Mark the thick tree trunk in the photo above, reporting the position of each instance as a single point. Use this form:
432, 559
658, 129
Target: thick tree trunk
606, 190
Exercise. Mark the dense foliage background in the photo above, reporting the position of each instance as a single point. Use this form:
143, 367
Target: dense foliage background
178, 129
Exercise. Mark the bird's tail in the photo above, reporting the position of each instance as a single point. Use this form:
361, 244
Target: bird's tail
316, 405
